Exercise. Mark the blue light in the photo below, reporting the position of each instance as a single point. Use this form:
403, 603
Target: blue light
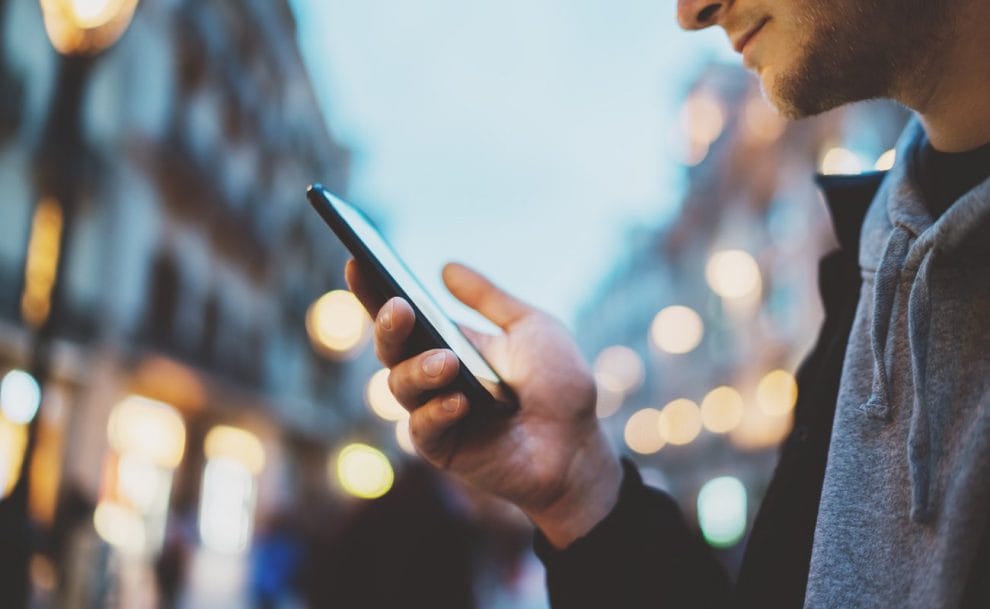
20, 397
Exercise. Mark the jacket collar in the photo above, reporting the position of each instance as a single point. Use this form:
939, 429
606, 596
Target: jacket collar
847, 198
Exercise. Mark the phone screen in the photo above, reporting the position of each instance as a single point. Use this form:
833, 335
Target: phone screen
419, 296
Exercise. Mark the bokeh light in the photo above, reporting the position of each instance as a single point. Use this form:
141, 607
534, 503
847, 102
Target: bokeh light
337, 324
148, 429
694, 153
619, 369
237, 444
86, 26
841, 161
722, 511
13, 441
681, 421
41, 266
380, 399
92, 13
777, 393
226, 508
759, 431
120, 526
677, 329
20, 397
702, 118
722, 410
235, 457
761, 120
403, 437
364, 471
607, 402
644, 431
886, 160
733, 274
139, 481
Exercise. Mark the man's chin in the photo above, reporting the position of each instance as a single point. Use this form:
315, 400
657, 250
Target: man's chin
791, 94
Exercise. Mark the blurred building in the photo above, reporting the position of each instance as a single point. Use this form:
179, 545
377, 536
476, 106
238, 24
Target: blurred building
697, 332
157, 262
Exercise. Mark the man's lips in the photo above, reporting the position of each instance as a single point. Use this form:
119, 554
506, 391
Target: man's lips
739, 44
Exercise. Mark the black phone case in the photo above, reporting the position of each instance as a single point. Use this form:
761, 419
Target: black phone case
424, 336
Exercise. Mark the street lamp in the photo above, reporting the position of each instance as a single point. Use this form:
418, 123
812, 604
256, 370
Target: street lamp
79, 30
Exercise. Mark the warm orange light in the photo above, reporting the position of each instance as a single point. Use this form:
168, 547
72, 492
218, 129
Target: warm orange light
13, 441
237, 444
721, 410
80, 27
777, 393
886, 160
677, 330
733, 274
169, 381
758, 431
42, 262
681, 420
337, 324
645, 432
148, 429
120, 526
841, 161
46, 464
619, 369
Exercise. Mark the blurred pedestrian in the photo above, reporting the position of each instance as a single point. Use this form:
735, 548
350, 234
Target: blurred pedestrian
882, 494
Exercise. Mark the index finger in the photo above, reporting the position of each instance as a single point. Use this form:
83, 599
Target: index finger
476, 291
359, 285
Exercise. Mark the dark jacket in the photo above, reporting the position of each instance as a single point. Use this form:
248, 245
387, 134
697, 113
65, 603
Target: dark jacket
643, 555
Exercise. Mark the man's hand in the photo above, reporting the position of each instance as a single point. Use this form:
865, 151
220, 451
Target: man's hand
551, 458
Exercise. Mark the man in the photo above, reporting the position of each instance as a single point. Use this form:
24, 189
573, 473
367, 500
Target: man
882, 493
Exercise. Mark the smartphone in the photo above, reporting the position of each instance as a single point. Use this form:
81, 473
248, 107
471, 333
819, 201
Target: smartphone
390, 276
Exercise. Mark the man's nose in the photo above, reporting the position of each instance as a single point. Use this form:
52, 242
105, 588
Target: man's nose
699, 14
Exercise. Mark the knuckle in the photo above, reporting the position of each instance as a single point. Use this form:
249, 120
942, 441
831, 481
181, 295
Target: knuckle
419, 426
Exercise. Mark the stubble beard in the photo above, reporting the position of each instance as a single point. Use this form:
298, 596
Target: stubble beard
865, 49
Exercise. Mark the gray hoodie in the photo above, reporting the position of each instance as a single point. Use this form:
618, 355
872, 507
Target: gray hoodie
906, 497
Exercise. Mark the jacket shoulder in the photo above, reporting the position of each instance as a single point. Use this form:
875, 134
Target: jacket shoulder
774, 571
847, 198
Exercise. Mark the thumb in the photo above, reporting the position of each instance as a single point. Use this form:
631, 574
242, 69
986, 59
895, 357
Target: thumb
477, 292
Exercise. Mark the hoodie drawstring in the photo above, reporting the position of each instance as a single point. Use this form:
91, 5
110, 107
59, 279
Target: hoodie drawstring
923, 449
921, 457
887, 278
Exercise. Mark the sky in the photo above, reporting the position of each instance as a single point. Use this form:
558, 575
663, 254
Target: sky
522, 137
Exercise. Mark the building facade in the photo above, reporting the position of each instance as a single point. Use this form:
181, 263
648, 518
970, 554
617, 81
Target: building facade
169, 172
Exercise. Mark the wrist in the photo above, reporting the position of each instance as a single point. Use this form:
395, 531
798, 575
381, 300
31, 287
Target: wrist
589, 494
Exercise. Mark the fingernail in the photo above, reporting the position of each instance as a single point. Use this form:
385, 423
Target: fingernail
386, 316
451, 404
433, 365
